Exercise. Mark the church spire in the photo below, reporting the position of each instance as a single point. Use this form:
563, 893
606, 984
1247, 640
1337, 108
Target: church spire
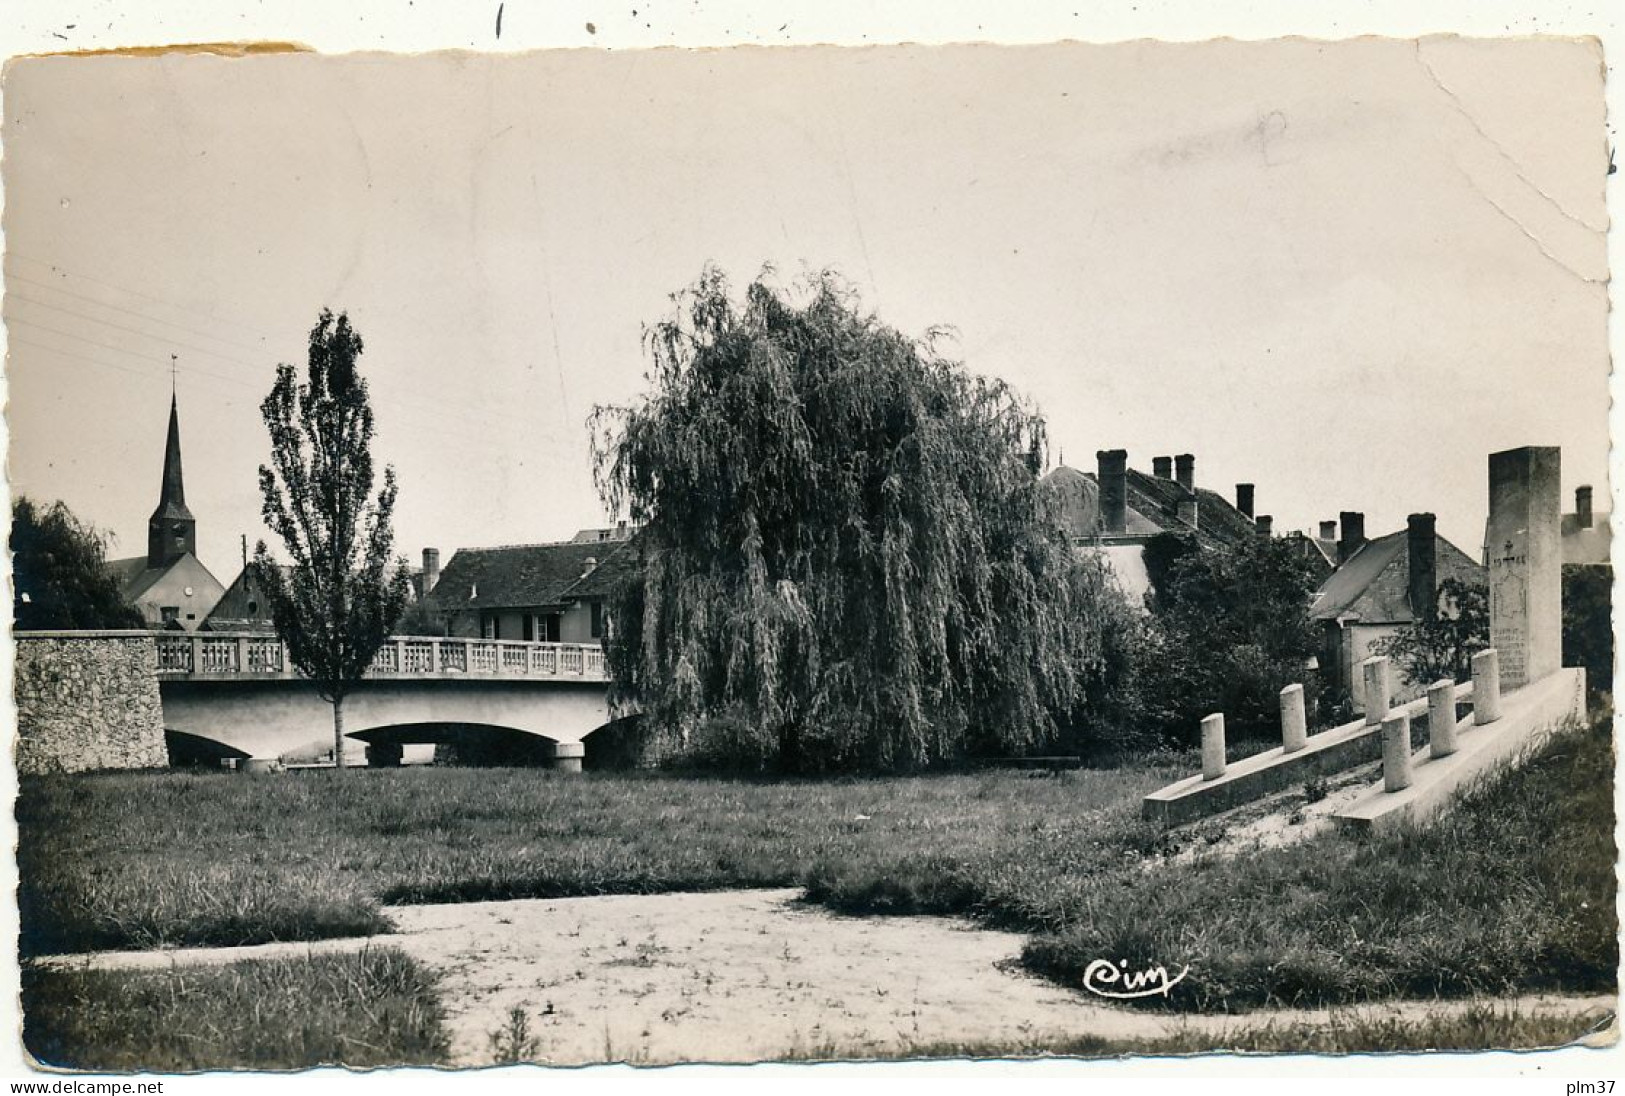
172, 531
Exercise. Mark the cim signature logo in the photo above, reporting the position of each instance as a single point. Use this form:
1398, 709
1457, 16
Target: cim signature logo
1107, 979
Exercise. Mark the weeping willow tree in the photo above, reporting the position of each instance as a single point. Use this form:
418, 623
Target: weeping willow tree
848, 562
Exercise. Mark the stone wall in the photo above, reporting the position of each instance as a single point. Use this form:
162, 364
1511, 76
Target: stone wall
88, 700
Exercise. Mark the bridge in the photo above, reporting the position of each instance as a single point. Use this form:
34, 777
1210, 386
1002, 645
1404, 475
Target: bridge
236, 695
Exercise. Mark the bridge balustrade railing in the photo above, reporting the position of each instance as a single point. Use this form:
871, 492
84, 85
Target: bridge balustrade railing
232, 655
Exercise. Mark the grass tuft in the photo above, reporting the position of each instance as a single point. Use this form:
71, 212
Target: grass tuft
376, 1007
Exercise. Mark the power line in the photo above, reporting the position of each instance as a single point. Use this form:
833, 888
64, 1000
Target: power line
13, 277
57, 269
474, 416
423, 423
402, 405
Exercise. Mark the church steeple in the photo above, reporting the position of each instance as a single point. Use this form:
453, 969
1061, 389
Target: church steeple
172, 531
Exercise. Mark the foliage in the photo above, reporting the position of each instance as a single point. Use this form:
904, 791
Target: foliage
1229, 630
419, 619
848, 562
59, 572
336, 604
1442, 647
513, 1041
1588, 626
376, 1007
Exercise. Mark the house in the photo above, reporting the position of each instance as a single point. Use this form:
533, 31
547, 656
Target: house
552, 592
1587, 537
1380, 586
169, 585
244, 608
1118, 510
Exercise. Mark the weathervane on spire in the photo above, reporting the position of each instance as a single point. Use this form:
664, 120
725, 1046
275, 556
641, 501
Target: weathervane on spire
174, 364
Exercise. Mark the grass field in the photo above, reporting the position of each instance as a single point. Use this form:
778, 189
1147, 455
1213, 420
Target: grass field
137, 860
1481, 1027
373, 1008
1515, 892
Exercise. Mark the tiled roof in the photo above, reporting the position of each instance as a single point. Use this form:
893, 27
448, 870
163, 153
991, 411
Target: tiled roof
1588, 544
133, 576
1152, 507
1374, 584
525, 575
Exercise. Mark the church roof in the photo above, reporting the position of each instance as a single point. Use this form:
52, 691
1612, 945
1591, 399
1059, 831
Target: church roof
172, 496
133, 575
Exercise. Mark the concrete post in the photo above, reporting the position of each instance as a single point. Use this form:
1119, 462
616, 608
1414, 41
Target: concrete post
1294, 724
1377, 691
1396, 752
1213, 747
197, 654
1442, 718
1525, 557
242, 654
567, 756
1486, 687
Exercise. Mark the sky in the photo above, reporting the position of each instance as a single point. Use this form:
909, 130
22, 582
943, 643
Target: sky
1345, 272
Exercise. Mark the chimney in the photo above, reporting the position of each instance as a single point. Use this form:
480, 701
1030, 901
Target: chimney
1185, 471
1328, 530
1187, 510
1162, 467
431, 569
1244, 499
1265, 523
1424, 566
1112, 465
1353, 523
1582, 506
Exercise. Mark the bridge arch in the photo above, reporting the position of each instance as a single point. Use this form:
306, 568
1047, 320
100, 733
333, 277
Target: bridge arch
458, 743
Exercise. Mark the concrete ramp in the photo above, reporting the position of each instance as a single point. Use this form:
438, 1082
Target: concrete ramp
1528, 717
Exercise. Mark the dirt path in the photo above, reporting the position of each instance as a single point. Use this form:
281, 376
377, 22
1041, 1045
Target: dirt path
740, 976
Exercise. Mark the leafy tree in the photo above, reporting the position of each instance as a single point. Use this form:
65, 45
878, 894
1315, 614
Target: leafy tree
1440, 647
335, 605
1230, 629
59, 572
848, 562
1588, 626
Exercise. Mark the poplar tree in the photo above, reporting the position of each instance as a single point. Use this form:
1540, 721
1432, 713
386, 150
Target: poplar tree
848, 562
335, 605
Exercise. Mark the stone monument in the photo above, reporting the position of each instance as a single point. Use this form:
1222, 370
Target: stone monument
1524, 556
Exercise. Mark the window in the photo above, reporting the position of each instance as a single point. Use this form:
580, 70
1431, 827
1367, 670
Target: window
530, 628
550, 628
253, 608
488, 626
598, 620
170, 614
